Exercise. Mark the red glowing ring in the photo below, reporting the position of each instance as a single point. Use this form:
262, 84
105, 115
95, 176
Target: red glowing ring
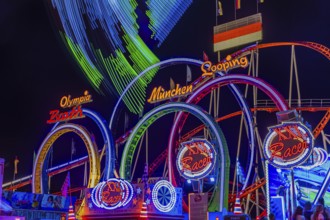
276, 156
205, 147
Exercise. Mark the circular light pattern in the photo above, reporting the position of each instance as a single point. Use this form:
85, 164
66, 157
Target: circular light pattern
320, 156
129, 194
164, 196
288, 145
95, 192
196, 159
112, 194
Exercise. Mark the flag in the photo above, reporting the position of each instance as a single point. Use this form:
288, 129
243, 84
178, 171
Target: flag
220, 11
16, 161
172, 84
73, 148
242, 31
188, 74
144, 180
145, 175
237, 4
240, 173
34, 157
126, 119
66, 185
205, 57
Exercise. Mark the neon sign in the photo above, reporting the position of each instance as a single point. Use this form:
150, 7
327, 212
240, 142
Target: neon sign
208, 68
112, 194
288, 144
196, 159
164, 196
67, 102
57, 116
159, 94
76, 111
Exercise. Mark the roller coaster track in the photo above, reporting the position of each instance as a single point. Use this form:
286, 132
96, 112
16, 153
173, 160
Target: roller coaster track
50, 172
161, 157
244, 193
321, 124
325, 51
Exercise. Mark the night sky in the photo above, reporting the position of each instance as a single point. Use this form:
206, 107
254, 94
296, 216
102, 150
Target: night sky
37, 70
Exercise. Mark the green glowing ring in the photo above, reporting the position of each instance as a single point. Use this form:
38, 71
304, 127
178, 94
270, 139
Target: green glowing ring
220, 144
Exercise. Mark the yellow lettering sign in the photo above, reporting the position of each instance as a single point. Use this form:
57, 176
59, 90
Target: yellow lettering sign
159, 93
67, 102
209, 69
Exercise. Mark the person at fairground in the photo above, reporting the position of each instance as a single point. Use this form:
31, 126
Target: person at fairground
308, 210
298, 214
271, 216
326, 211
319, 213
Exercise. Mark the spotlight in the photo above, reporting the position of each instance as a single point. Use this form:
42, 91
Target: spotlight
212, 179
189, 181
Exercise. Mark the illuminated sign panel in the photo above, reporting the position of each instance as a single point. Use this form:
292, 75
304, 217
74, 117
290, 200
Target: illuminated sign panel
67, 102
164, 196
112, 194
76, 111
159, 94
196, 159
209, 69
57, 116
288, 144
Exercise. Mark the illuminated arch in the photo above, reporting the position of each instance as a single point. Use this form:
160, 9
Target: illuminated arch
94, 161
221, 81
108, 141
161, 64
216, 134
204, 90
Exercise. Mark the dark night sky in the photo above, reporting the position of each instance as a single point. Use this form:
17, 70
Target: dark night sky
36, 70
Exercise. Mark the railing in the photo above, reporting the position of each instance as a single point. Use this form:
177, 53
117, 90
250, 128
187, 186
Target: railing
237, 23
296, 103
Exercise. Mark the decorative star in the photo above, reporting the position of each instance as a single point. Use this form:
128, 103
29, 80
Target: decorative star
90, 205
148, 201
88, 195
134, 201
138, 190
148, 191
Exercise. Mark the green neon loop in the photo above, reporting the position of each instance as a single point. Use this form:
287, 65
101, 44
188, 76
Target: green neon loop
223, 160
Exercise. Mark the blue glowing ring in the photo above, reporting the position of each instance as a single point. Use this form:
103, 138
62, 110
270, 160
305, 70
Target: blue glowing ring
164, 196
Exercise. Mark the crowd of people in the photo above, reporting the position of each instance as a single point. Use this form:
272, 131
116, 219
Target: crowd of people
319, 212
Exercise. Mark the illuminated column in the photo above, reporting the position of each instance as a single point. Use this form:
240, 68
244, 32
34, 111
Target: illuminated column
2, 169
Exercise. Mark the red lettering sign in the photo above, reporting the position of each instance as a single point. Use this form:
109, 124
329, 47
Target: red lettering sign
112, 193
196, 159
289, 144
57, 116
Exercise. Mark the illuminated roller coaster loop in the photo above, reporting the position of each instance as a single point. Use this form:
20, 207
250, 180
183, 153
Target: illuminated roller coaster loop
94, 161
325, 51
222, 168
204, 90
108, 141
281, 104
195, 62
